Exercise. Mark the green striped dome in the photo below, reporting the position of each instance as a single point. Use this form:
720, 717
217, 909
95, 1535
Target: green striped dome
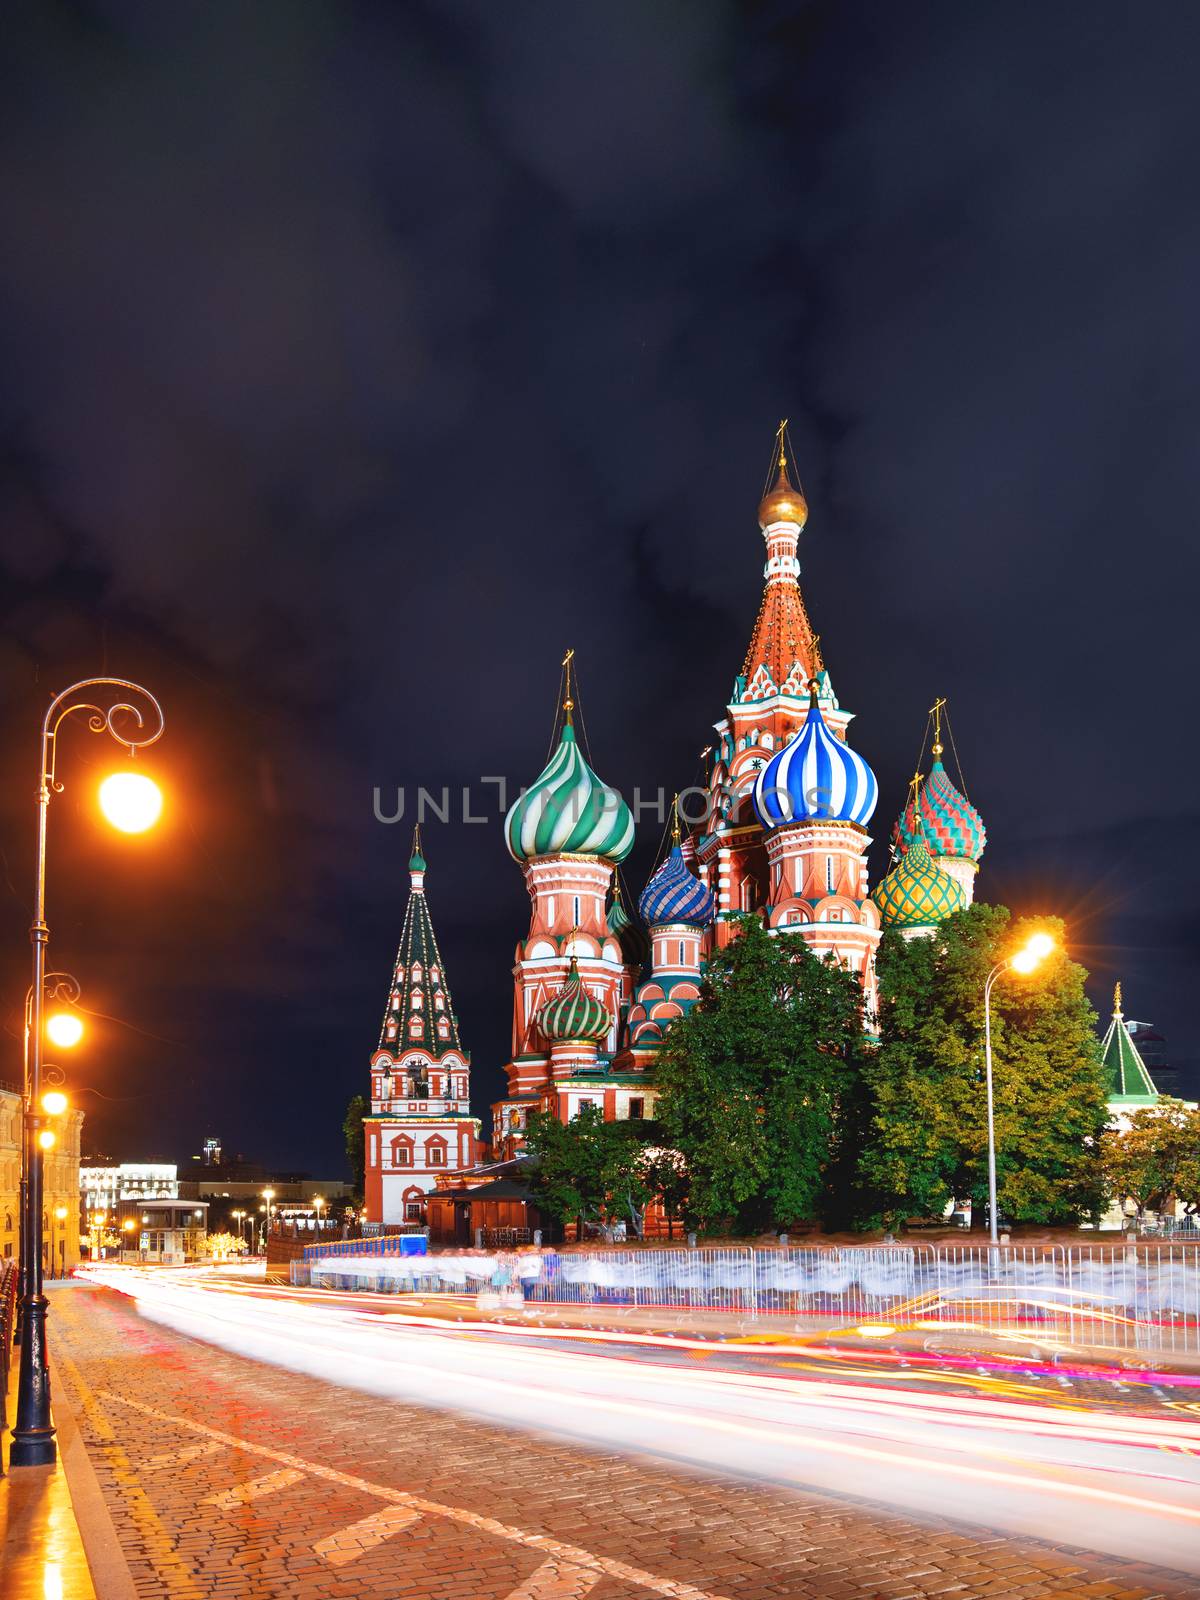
916, 893
567, 810
572, 1013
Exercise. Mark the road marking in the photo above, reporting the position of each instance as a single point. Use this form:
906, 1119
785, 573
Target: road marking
176, 1575
178, 1458
557, 1580
351, 1542
242, 1493
569, 1554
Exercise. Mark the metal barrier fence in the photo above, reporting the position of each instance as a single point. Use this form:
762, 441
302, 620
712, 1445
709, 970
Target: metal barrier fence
1122, 1296
8, 1322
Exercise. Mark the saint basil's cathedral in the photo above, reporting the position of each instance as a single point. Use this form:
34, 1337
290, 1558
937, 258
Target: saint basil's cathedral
784, 834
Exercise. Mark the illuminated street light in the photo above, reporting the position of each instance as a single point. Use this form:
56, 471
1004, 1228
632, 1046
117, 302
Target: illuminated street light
47, 1139
133, 717
54, 1102
1031, 955
131, 801
64, 1029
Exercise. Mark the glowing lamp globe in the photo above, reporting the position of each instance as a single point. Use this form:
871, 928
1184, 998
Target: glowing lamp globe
61, 1213
54, 1102
64, 1029
47, 1140
1040, 945
131, 801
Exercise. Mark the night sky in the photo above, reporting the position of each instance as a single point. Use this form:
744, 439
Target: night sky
357, 359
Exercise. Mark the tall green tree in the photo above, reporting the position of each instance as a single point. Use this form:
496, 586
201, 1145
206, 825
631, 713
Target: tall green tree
752, 1079
570, 1172
356, 1144
1156, 1159
927, 1134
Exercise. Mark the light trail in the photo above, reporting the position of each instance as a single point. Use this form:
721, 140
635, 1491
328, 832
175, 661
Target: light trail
1122, 1483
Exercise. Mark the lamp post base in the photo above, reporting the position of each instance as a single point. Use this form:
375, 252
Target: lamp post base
33, 1443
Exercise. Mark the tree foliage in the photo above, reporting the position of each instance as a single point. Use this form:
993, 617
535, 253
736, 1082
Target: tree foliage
751, 1081
926, 1136
1156, 1159
356, 1144
589, 1170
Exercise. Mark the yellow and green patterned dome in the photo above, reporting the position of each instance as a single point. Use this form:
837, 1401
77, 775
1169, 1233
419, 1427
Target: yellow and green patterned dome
572, 1014
916, 893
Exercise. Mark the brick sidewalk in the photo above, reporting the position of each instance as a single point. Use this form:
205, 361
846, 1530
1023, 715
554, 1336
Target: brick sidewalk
225, 1477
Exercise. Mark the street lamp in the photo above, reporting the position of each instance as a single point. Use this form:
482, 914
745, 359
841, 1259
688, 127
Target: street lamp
64, 1029
318, 1202
135, 727
1030, 956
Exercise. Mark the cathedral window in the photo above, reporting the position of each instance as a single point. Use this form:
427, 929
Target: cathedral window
681, 961
402, 1151
391, 1030
435, 1153
828, 874
414, 1026
439, 1003
443, 1028
416, 972
434, 975
576, 910
637, 1108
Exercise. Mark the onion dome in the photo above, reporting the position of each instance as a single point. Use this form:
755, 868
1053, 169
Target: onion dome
916, 893
572, 1014
950, 823
815, 777
630, 935
416, 861
676, 895
782, 503
567, 810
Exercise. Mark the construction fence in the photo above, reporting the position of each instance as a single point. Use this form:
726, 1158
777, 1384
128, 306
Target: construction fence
1126, 1296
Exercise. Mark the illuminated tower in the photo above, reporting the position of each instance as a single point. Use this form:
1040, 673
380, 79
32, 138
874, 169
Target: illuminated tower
792, 844
567, 831
678, 910
813, 800
420, 1124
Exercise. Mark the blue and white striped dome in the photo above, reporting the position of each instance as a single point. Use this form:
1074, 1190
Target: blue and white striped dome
815, 777
675, 895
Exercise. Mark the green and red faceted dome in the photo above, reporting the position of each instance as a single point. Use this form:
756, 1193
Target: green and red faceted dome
572, 1015
948, 821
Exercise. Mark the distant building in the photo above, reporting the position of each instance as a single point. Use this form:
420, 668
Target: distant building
103, 1183
163, 1229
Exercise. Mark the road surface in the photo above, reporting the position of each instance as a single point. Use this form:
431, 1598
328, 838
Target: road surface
336, 1445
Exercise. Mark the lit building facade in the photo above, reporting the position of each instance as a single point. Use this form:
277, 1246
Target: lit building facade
60, 1186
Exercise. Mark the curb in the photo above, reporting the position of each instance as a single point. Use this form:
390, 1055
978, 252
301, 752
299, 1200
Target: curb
111, 1577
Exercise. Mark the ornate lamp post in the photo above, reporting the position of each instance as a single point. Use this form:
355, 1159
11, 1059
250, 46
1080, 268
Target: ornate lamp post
131, 802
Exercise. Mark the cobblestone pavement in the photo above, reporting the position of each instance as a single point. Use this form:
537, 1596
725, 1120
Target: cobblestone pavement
226, 1477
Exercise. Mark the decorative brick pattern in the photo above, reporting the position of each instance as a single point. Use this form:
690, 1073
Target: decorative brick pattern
375, 1500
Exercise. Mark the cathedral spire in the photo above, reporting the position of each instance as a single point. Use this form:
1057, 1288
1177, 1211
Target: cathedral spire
1127, 1075
783, 653
420, 1013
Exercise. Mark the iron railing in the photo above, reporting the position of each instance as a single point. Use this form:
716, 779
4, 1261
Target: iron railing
1124, 1296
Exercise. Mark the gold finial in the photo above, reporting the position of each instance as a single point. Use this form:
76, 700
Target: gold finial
568, 703
779, 441
935, 711
675, 824
1117, 1012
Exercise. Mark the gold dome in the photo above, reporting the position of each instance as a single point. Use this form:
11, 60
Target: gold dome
782, 502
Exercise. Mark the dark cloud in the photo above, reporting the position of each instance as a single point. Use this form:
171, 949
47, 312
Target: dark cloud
354, 359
